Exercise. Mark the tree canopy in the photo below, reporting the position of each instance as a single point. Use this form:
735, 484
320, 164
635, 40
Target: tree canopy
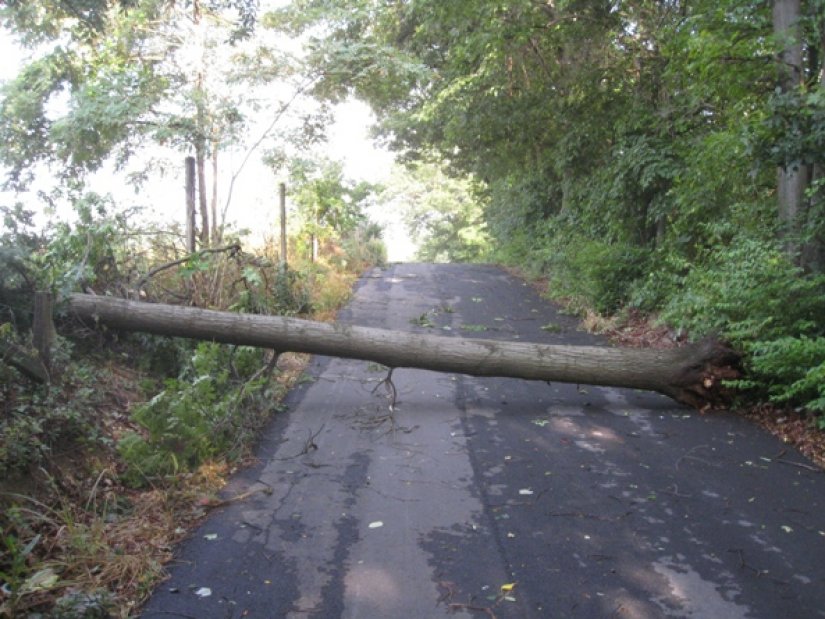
666, 156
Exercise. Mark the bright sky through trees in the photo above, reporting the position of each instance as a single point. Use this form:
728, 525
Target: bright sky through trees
254, 200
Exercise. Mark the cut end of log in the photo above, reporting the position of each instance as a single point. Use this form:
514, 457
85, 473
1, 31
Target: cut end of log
700, 382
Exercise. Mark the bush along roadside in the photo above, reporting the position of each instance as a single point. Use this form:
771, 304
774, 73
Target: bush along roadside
746, 291
104, 469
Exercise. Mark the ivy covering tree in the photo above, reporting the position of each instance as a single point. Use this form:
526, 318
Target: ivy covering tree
660, 155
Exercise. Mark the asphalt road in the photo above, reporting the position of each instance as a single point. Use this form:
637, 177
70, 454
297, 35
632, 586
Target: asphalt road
591, 502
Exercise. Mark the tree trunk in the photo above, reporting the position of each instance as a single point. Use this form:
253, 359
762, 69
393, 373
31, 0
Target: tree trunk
793, 177
200, 126
200, 157
282, 207
190, 205
216, 237
689, 375
813, 252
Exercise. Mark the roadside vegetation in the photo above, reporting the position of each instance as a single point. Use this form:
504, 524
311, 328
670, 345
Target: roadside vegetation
658, 167
107, 466
643, 159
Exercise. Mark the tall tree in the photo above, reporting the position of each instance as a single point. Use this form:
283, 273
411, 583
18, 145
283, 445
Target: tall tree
792, 176
328, 203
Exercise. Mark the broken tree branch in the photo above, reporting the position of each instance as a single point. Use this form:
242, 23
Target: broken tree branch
232, 249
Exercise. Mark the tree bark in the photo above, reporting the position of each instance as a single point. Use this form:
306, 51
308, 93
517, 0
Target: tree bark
215, 228
793, 177
200, 157
190, 204
813, 252
690, 375
200, 126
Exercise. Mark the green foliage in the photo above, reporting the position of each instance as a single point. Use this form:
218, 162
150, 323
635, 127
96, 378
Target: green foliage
272, 290
749, 291
328, 203
18, 278
793, 131
108, 78
66, 258
363, 247
37, 422
792, 371
207, 412
16, 554
87, 253
594, 273
440, 213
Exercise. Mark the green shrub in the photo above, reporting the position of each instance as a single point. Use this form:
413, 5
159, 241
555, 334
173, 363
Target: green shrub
664, 280
37, 419
751, 294
792, 371
278, 291
207, 412
599, 273
749, 291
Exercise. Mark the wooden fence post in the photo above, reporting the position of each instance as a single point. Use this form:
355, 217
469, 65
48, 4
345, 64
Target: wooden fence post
282, 191
190, 205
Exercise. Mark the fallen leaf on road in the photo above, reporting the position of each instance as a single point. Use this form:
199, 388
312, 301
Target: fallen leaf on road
42, 580
507, 588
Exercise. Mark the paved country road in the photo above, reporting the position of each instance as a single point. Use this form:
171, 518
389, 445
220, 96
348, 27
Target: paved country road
595, 502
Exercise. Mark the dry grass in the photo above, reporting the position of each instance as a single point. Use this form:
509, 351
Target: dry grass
330, 293
594, 322
111, 547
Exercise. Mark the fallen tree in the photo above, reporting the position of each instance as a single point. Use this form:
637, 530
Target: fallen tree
691, 375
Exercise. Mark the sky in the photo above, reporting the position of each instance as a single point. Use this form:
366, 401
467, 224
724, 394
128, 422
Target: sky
254, 203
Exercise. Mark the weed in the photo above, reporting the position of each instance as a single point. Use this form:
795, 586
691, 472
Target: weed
551, 327
475, 328
423, 320
199, 415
